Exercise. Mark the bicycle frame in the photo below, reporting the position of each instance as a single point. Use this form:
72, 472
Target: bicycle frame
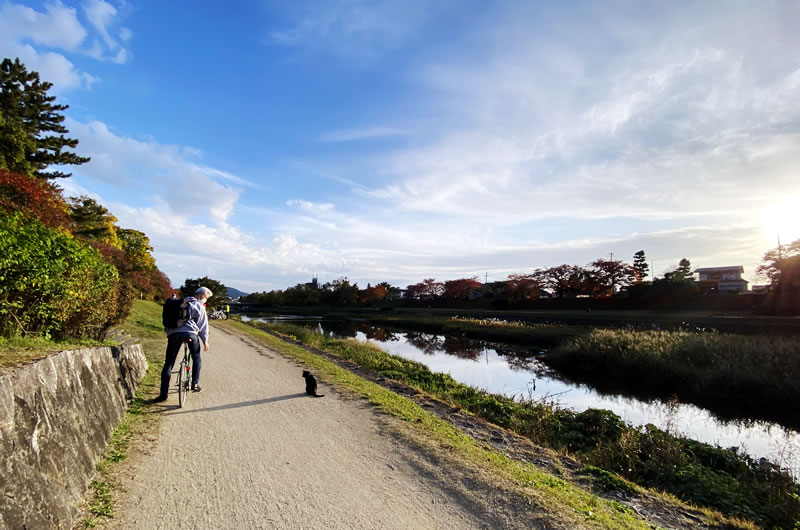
184, 374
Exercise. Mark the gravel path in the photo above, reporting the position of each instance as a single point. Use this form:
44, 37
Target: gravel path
253, 451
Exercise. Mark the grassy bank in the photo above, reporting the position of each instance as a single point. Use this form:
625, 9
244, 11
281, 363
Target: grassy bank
751, 371
16, 351
708, 476
490, 329
144, 323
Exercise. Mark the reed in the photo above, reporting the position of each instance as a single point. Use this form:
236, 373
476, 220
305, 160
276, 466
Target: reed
749, 370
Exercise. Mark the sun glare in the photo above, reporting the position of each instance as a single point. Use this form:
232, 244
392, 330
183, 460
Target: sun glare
782, 220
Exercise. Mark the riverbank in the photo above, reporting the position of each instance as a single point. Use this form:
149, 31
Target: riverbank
705, 475
753, 375
737, 376
737, 322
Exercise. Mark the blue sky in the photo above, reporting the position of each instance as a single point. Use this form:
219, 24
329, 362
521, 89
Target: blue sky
261, 143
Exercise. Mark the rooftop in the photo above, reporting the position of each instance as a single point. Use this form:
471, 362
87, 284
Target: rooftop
735, 268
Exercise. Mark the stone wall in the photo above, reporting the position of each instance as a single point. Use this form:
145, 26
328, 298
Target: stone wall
56, 417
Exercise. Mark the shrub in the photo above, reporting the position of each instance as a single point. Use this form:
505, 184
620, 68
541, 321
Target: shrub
53, 285
33, 197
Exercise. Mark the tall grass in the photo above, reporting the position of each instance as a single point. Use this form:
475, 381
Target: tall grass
723, 479
525, 333
753, 371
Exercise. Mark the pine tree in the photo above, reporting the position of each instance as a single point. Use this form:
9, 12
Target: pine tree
92, 221
640, 264
29, 116
684, 269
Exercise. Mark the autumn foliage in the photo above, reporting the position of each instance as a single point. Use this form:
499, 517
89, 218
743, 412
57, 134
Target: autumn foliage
521, 287
34, 198
462, 288
372, 295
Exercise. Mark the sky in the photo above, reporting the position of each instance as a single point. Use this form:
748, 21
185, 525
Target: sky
263, 143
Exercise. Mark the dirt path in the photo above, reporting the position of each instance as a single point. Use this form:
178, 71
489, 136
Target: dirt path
253, 451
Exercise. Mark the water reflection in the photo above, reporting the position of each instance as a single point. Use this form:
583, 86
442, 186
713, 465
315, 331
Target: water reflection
518, 373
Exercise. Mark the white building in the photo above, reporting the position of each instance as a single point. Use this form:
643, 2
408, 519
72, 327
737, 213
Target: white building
721, 279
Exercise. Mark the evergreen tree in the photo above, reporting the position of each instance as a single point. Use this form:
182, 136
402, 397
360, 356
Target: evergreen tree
219, 290
91, 221
28, 119
685, 269
640, 264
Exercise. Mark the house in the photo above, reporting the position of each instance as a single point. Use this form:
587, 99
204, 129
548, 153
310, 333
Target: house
721, 280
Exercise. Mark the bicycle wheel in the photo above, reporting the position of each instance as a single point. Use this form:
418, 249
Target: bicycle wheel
183, 384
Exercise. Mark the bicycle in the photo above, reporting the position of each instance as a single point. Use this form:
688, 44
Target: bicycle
219, 314
184, 374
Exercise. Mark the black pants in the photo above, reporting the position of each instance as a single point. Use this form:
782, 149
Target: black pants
174, 342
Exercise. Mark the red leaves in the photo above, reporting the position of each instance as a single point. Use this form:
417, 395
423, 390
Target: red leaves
33, 197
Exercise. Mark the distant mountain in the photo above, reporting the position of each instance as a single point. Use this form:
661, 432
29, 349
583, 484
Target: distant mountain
235, 293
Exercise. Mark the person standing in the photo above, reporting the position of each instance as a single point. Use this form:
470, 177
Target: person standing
194, 329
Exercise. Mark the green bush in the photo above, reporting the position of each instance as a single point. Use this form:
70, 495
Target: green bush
52, 285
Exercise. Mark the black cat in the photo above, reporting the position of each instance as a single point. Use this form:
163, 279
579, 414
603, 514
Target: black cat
311, 384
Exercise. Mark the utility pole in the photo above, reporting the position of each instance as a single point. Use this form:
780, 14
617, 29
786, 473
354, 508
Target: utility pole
611, 255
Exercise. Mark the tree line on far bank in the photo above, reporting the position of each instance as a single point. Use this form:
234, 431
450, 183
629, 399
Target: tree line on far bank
66, 268
602, 279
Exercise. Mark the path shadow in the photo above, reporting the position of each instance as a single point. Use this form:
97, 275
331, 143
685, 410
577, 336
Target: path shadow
239, 405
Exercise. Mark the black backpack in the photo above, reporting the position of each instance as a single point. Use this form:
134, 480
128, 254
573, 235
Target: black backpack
175, 313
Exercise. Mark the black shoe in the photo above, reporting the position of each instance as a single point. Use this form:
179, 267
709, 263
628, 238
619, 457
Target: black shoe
159, 399
196, 388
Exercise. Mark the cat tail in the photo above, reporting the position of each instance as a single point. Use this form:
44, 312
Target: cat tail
318, 395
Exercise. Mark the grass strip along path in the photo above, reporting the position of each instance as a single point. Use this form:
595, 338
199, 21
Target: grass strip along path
144, 323
721, 479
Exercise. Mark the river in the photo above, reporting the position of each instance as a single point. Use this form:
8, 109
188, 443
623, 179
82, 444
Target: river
512, 371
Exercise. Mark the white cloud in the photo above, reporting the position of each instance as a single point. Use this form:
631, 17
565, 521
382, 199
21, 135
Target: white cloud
165, 170
656, 131
52, 67
100, 14
34, 36
103, 17
310, 206
58, 27
125, 34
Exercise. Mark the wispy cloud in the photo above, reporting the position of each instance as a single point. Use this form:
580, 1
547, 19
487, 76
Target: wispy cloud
165, 171
675, 118
103, 16
357, 30
367, 133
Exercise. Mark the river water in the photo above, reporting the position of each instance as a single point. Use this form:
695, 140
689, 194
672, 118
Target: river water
512, 371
